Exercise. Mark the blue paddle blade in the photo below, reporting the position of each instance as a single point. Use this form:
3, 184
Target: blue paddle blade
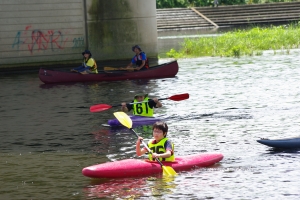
124, 119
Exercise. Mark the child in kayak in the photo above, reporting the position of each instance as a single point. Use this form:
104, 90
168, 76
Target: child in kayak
161, 147
145, 109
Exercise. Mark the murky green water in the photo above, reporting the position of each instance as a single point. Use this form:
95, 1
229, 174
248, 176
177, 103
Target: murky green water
48, 134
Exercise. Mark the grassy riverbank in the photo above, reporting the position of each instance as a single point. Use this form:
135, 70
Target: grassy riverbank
241, 42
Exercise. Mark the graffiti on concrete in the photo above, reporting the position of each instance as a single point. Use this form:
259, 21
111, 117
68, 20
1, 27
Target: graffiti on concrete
38, 40
78, 42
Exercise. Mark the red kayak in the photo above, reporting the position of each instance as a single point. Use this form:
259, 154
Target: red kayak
166, 70
138, 167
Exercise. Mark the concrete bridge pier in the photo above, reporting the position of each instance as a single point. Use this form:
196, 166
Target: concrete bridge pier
37, 33
113, 27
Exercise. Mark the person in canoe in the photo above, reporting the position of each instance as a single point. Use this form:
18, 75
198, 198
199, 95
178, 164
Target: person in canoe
140, 59
88, 66
145, 109
161, 147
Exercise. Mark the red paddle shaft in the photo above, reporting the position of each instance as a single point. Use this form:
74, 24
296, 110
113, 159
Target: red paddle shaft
102, 107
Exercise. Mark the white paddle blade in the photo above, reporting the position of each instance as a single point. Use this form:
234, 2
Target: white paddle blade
124, 119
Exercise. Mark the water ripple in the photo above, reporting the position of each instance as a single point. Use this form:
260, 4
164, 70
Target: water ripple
48, 134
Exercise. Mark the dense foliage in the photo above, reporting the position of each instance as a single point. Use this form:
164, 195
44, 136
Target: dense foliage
198, 3
242, 42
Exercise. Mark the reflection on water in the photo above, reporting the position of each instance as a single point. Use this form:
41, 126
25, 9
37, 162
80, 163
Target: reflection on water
48, 135
28, 175
131, 188
118, 188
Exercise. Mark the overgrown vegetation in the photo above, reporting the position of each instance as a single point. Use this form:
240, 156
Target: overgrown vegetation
241, 42
198, 3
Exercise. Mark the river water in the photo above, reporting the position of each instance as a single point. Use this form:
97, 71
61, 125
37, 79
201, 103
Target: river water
48, 134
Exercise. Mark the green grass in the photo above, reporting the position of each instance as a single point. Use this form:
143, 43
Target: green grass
241, 42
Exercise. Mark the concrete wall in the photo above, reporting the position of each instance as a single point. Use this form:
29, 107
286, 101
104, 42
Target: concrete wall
40, 32
117, 25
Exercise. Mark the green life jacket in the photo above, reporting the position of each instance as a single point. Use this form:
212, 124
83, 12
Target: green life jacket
142, 109
160, 148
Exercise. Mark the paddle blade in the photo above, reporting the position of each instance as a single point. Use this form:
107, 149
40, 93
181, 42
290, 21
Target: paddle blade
99, 107
124, 119
179, 97
169, 171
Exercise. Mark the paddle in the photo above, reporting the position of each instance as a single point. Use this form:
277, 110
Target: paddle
126, 121
102, 107
117, 68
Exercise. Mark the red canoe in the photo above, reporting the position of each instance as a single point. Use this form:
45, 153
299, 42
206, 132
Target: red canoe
136, 167
166, 70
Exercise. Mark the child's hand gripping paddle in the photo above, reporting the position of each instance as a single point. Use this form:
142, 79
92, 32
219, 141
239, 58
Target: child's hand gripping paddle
126, 121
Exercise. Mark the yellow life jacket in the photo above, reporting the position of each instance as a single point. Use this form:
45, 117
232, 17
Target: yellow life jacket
160, 148
142, 109
92, 64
